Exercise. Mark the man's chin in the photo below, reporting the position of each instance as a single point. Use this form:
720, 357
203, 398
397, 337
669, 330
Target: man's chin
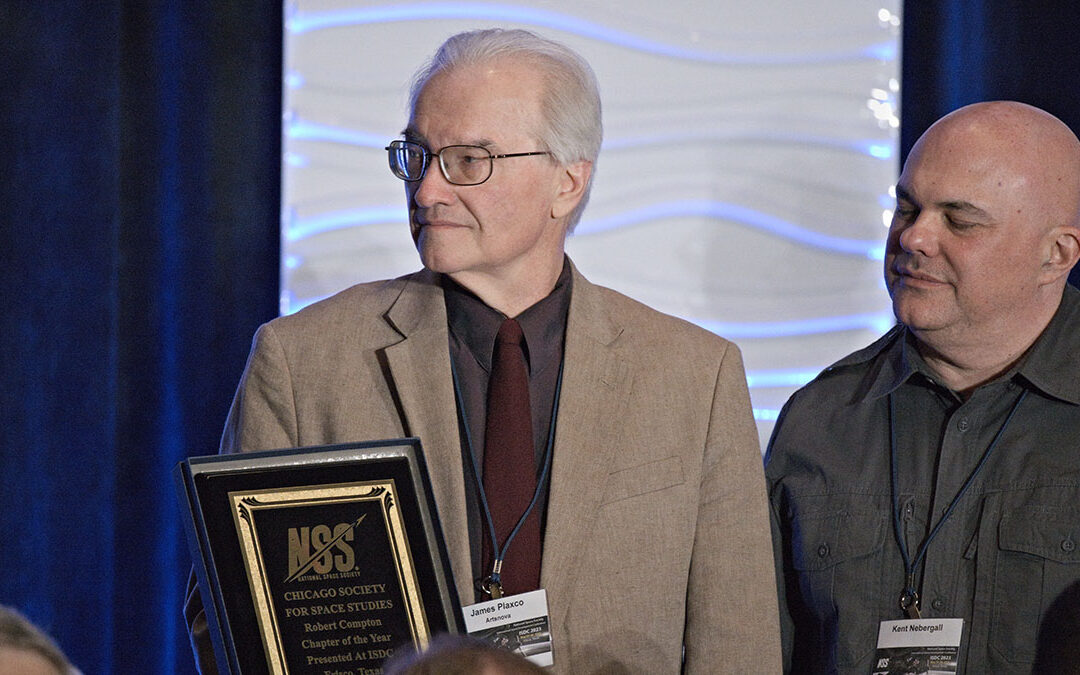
435, 261
918, 319
429, 256
911, 310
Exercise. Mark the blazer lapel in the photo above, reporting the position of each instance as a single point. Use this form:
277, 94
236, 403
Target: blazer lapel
596, 384
421, 381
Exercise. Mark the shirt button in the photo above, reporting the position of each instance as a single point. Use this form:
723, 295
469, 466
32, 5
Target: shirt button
938, 604
1067, 545
823, 551
963, 424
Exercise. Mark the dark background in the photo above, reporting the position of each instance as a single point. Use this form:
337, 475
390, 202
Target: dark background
139, 206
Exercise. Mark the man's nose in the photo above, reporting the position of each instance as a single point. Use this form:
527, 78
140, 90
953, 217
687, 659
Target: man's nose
920, 235
433, 188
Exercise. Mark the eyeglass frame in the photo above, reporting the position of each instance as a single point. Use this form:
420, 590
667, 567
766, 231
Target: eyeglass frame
428, 154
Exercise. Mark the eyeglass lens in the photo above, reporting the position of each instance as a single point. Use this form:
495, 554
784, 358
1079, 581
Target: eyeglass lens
465, 164
407, 160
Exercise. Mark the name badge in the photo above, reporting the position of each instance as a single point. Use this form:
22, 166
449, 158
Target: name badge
918, 646
518, 623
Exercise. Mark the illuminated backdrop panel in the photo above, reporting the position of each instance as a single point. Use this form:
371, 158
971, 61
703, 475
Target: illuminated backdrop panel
743, 185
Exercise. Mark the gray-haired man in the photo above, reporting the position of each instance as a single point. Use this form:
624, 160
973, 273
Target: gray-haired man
650, 530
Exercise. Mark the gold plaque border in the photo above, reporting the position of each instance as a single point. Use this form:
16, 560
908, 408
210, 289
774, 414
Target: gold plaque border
246, 503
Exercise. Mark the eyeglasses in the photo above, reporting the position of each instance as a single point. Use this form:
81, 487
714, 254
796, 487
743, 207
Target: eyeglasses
460, 164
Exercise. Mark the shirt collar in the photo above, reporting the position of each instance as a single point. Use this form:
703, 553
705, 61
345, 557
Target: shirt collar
894, 367
1051, 364
543, 324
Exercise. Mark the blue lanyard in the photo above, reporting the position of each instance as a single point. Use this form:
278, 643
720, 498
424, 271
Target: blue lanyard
494, 586
909, 598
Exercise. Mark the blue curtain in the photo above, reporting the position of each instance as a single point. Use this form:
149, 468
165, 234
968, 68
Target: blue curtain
139, 203
957, 52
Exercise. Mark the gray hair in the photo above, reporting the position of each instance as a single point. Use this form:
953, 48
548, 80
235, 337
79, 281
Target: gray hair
570, 106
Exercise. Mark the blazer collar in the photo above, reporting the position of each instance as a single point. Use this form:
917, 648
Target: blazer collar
419, 376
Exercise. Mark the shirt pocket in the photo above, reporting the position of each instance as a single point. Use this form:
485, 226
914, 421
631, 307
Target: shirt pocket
1037, 560
839, 561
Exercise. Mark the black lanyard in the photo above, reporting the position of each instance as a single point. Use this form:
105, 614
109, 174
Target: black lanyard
909, 598
493, 584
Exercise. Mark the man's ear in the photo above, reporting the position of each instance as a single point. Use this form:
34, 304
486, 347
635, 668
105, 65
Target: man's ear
570, 188
1063, 250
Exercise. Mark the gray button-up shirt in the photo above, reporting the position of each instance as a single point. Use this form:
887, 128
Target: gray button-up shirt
1005, 561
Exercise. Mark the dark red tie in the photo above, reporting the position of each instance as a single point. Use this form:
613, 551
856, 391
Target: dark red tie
509, 465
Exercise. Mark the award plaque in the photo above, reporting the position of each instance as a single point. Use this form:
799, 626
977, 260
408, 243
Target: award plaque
320, 559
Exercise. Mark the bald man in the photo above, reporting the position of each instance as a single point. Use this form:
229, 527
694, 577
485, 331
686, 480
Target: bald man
933, 478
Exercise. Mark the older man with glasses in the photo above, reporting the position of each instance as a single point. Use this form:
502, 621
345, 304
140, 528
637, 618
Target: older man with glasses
581, 445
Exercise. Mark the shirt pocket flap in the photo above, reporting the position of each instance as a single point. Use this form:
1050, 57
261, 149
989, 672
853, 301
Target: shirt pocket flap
644, 478
822, 541
1051, 535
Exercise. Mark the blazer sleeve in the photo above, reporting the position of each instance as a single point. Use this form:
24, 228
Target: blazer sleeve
732, 621
263, 412
262, 417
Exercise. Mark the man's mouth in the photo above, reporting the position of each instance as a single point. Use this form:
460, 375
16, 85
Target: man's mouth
910, 274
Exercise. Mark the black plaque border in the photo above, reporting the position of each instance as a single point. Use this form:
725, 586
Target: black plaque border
204, 483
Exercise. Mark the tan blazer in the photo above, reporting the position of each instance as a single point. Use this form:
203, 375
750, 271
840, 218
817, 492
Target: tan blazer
657, 532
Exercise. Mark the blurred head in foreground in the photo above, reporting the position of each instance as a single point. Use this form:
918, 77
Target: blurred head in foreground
25, 650
461, 655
